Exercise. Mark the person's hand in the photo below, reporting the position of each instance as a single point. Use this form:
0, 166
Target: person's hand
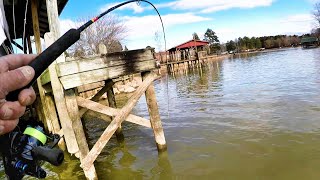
14, 74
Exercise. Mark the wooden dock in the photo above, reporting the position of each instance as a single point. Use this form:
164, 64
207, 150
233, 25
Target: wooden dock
71, 107
60, 107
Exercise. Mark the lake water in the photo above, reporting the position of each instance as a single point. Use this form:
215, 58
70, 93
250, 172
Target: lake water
249, 117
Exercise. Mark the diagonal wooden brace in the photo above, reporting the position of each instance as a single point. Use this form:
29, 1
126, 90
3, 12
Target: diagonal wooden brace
96, 97
122, 115
94, 106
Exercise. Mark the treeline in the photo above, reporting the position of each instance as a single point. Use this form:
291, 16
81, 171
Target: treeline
267, 42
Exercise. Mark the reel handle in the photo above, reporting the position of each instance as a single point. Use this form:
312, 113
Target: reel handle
54, 156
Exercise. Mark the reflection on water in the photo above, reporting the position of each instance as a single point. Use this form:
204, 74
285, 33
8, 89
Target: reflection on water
248, 117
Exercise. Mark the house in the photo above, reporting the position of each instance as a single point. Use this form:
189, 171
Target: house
187, 50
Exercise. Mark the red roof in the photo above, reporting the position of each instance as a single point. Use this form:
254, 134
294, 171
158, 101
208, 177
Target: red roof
189, 44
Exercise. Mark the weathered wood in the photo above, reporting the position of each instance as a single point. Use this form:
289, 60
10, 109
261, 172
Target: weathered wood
35, 25
97, 115
96, 97
99, 62
47, 105
92, 86
54, 24
110, 94
35, 22
58, 93
155, 116
45, 77
45, 108
113, 126
75, 80
113, 104
53, 20
102, 49
54, 121
71, 104
94, 106
47, 124
29, 45
53, 17
39, 111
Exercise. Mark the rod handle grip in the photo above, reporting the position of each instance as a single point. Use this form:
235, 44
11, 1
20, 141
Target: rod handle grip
48, 56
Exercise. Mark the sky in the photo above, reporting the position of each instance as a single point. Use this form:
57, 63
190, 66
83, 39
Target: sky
230, 19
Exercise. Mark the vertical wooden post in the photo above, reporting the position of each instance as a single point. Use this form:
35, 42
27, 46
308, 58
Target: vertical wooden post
112, 103
29, 45
57, 89
54, 25
39, 111
35, 23
48, 107
58, 92
155, 116
52, 11
72, 106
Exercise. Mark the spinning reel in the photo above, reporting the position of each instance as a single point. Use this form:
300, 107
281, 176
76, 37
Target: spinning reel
26, 150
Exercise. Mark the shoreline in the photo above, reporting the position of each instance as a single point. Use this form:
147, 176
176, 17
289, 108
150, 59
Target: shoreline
127, 85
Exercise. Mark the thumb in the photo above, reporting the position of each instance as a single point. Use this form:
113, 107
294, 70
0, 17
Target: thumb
15, 79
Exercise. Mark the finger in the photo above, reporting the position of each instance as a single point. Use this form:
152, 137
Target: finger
7, 125
27, 97
15, 79
14, 61
11, 110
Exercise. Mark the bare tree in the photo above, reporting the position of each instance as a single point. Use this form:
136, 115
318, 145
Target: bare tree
109, 31
316, 12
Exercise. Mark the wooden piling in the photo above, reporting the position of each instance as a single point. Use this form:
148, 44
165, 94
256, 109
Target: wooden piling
58, 93
112, 103
72, 107
154, 115
57, 88
47, 104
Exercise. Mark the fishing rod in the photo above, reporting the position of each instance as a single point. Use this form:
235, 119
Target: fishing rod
44, 59
24, 151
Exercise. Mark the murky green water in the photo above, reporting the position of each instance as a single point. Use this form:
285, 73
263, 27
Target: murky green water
255, 117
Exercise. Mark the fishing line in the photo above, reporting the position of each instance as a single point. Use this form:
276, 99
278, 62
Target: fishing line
49, 55
162, 25
14, 24
40, 64
24, 25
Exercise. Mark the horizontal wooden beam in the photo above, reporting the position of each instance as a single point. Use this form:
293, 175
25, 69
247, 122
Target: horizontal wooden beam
79, 79
89, 87
108, 60
94, 106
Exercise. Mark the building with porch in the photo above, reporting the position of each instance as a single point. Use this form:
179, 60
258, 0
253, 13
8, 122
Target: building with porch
187, 50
